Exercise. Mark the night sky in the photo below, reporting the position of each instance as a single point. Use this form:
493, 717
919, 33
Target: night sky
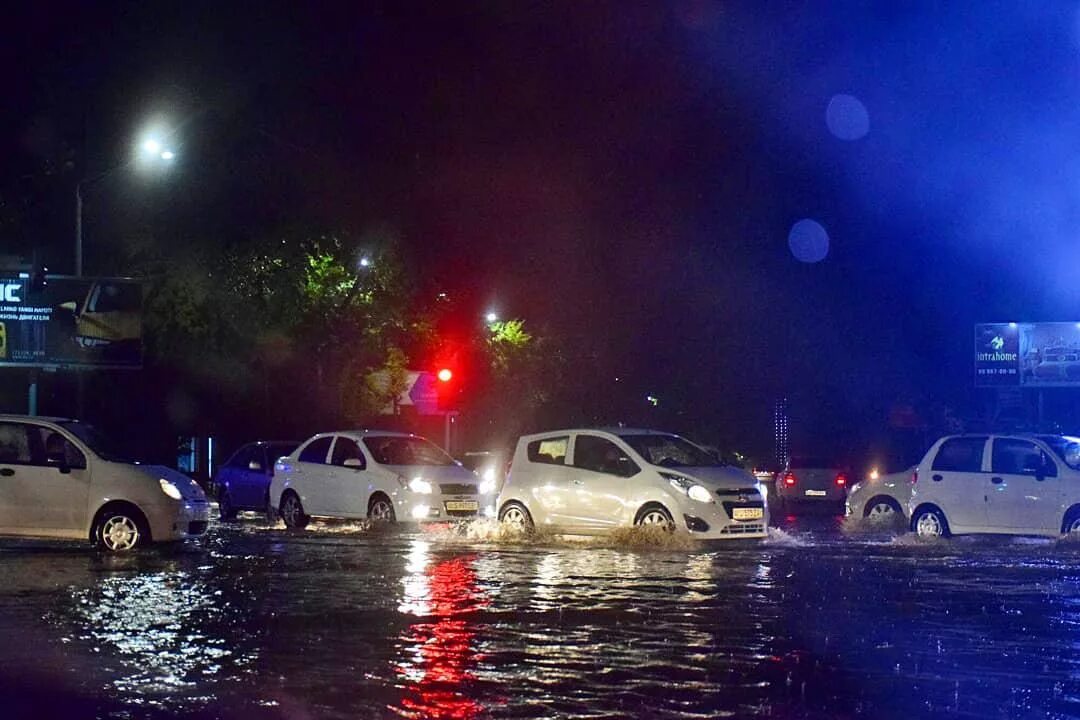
622, 174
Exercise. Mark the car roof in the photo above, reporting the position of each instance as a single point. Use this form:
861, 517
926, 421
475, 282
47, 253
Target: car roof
618, 431
368, 433
38, 418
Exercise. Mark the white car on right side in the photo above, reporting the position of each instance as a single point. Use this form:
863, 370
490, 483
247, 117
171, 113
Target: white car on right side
1008, 484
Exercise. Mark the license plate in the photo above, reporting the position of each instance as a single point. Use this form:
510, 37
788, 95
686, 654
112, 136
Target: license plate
747, 513
816, 493
462, 506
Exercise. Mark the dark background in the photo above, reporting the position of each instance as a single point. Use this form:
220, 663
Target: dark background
621, 174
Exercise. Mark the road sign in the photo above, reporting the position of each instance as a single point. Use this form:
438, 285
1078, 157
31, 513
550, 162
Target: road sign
423, 393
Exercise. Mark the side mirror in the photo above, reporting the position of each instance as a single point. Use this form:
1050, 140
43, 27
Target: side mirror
255, 465
354, 463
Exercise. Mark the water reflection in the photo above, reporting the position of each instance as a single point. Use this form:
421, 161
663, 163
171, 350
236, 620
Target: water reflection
157, 631
439, 653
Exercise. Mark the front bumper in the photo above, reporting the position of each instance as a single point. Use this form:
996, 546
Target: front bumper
178, 520
716, 521
438, 507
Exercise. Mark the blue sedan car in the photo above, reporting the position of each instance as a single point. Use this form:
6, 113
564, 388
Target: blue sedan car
243, 482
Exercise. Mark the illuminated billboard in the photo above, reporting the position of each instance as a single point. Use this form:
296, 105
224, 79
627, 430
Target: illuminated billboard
70, 322
1028, 354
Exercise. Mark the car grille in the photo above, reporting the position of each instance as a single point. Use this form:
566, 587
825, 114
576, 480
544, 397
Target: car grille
457, 489
461, 513
750, 492
742, 529
197, 528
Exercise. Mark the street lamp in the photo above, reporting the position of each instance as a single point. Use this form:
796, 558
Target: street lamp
492, 317
151, 150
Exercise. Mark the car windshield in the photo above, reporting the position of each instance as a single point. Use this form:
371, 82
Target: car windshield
391, 450
1065, 447
670, 451
102, 445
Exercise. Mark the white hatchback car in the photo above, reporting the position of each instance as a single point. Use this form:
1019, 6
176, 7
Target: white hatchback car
1010, 484
374, 474
59, 479
592, 481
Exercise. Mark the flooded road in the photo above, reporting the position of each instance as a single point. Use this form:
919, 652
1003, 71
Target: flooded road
342, 622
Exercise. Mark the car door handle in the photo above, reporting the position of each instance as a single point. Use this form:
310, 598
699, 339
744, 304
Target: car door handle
997, 480
935, 478
7, 472
577, 482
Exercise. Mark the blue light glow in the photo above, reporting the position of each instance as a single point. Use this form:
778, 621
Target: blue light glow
847, 117
808, 241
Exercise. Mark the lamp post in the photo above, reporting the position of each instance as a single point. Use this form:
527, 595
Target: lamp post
151, 150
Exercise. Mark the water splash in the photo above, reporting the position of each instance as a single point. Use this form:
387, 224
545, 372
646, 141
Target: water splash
780, 538
895, 523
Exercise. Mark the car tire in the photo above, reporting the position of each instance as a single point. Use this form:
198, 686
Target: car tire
380, 509
655, 514
514, 514
292, 511
121, 530
1070, 524
226, 510
930, 522
882, 509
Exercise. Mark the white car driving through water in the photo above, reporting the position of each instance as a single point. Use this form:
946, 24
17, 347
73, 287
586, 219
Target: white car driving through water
60, 478
586, 481
383, 476
1006, 484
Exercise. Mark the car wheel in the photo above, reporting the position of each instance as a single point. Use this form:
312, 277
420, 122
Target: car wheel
1071, 524
515, 515
655, 515
121, 531
930, 522
292, 512
225, 507
881, 509
380, 509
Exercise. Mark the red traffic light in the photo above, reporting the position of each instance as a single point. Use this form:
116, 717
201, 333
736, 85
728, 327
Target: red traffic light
444, 375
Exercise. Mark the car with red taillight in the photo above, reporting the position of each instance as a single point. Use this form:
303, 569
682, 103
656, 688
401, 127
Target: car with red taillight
806, 480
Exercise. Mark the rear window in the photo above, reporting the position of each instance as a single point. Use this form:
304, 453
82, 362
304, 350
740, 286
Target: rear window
316, 450
549, 451
811, 462
960, 455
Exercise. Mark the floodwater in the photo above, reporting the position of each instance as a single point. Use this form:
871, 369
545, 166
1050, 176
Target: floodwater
344, 622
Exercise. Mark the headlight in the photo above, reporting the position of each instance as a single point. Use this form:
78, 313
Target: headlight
688, 487
169, 489
487, 486
419, 485
696, 492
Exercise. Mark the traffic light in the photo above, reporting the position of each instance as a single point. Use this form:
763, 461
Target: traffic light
448, 386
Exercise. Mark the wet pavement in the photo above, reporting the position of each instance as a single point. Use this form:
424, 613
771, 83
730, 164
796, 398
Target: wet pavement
818, 621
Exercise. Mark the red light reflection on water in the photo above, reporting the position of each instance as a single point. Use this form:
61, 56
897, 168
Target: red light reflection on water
441, 647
